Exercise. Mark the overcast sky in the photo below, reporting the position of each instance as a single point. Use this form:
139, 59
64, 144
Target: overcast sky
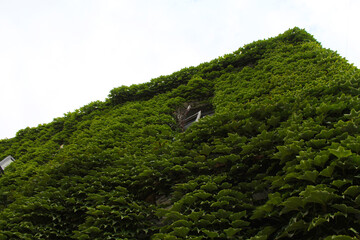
58, 55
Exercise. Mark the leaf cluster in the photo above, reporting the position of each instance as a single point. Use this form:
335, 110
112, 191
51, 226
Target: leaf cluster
279, 159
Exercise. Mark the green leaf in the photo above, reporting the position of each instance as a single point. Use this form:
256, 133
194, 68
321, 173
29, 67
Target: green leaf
354, 147
354, 231
292, 203
204, 223
357, 200
219, 204
321, 159
309, 176
209, 187
237, 216
339, 183
339, 237
230, 232
209, 217
296, 225
264, 233
196, 215
352, 191
206, 149
240, 223
340, 152
188, 199
80, 236
92, 230
104, 208
286, 152
262, 211
181, 231
202, 195
318, 194
327, 172
356, 160
181, 223
278, 182
174, 215
345, 209
221, 213
317, 143
162, 236
316, 222
291, 176
211, 234
321, 197
353, 113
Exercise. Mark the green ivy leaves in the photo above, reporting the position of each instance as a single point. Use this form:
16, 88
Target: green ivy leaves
279, 159
340, 152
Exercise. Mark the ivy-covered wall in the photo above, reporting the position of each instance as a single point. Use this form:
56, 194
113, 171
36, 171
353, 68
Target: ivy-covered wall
279, 159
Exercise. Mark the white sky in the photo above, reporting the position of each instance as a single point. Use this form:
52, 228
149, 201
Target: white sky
58, 55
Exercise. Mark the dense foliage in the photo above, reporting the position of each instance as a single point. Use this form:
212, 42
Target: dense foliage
279, 159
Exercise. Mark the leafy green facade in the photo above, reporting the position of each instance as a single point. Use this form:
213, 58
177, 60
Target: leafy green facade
279, 159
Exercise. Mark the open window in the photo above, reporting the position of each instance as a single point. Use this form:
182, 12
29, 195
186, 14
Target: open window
192, 113
5, 162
